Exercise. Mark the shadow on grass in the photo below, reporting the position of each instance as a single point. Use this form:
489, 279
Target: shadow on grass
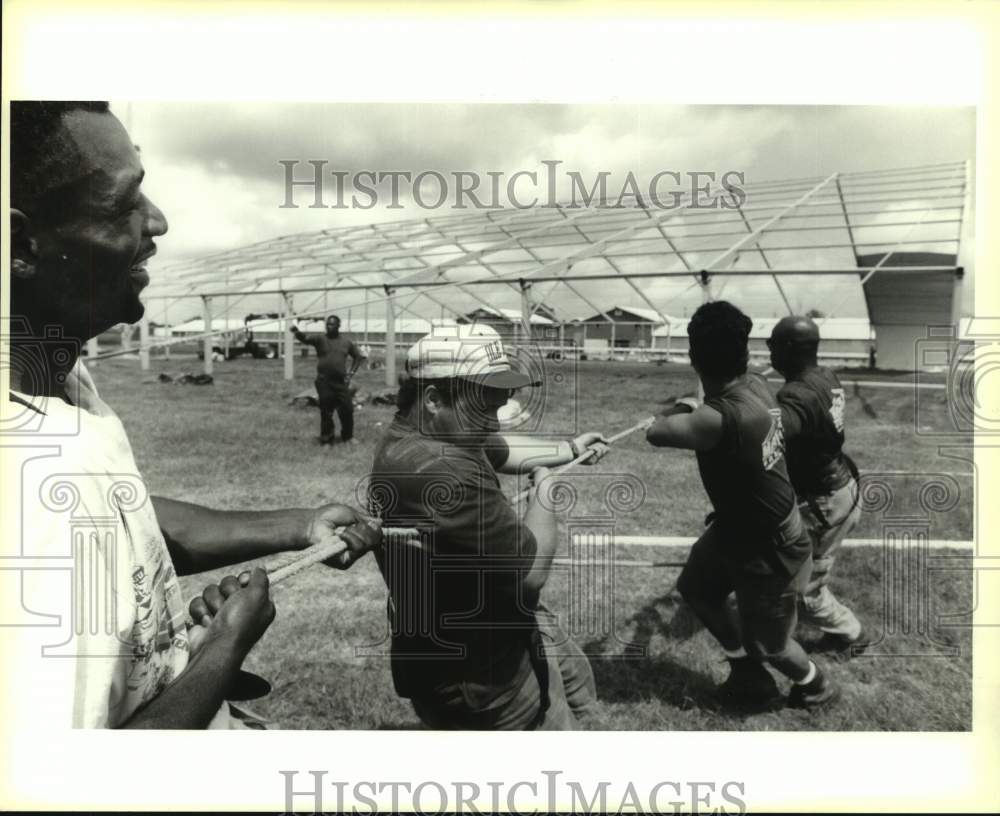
627, 679
634, 673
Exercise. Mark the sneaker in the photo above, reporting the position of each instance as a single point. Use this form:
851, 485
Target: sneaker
818, 692
749, 685
837, 644
351, 441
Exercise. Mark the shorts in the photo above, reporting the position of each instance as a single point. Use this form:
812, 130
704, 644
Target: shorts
767, 596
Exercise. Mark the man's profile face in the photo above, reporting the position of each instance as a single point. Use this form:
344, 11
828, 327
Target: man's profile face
779, 358
91, 254
472, 416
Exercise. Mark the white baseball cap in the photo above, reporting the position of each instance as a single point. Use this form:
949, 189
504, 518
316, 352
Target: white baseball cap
471, 351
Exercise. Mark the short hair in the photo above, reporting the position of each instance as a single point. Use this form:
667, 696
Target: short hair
718, 334
42, 157
333, 317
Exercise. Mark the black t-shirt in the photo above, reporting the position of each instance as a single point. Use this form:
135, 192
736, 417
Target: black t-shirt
745, 474
455, 610
332, 354
812, 408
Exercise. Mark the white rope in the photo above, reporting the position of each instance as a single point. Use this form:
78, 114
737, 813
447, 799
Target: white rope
686, 541
583, 457
322, 552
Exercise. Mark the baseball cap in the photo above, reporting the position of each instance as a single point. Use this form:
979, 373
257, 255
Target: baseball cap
470, 351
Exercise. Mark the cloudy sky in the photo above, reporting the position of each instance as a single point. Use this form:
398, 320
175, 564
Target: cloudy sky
214, 168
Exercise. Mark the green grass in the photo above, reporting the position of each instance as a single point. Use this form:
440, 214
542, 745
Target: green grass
238, 444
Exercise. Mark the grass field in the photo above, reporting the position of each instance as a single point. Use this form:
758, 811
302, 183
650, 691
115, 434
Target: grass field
238, 444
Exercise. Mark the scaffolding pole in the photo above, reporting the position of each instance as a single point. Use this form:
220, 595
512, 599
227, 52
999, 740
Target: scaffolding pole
288, 310
206, 345
144, 342
390, 339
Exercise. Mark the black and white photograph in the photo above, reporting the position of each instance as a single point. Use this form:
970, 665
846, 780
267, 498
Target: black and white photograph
395, 422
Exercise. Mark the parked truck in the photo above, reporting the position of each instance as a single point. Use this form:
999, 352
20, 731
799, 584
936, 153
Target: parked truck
246, 345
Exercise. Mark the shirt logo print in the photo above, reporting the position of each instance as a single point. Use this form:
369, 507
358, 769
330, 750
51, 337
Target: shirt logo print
773, 446
837, 409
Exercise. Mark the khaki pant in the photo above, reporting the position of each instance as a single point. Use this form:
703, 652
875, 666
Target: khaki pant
828, 519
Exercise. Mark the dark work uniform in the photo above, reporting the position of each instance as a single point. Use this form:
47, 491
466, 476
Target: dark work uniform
464, 640
812, 408
332, 389
813, 413
756, 544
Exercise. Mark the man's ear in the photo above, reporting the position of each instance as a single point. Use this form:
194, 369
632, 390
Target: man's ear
432, 400
23, 247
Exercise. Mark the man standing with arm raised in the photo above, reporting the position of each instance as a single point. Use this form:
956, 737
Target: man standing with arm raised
333, 379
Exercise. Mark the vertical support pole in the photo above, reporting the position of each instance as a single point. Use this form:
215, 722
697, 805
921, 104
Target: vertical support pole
225, 319
706, 296
562, 334
961, 296
206, 343
144, 342
390, 340
281, 325
614, 326
169, 329
367, 295
525, 310
288, 310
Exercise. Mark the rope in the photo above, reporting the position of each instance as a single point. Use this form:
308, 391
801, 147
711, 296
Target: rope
282, 569
583, 457
568, 562
321, 552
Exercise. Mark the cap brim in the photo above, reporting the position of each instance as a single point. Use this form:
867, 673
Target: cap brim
504, 379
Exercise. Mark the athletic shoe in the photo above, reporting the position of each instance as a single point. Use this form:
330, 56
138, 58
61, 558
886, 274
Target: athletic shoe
351, 441
749, 685
842, 646
818, 692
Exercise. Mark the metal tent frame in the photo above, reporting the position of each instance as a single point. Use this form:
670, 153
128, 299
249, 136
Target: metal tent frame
432, 267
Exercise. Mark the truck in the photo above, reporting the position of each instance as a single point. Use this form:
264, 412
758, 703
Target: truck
246, 345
